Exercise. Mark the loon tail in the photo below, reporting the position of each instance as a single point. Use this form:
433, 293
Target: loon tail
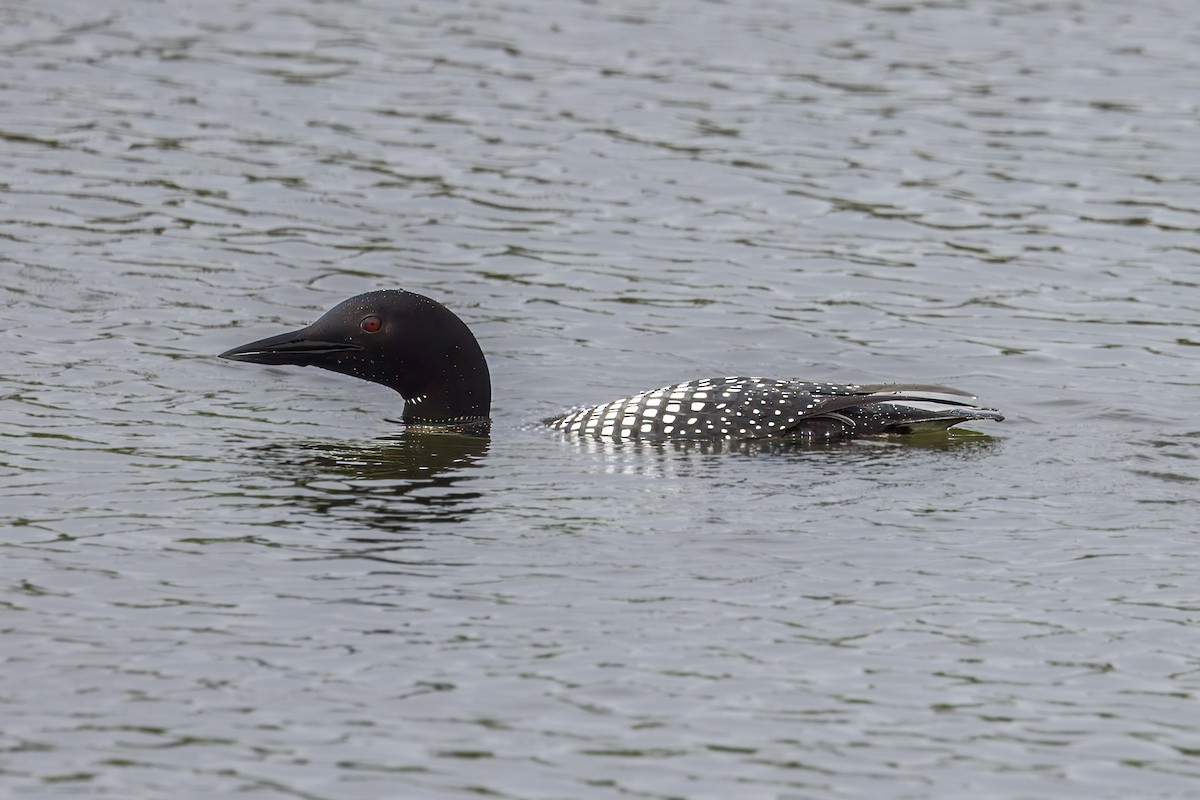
900, 408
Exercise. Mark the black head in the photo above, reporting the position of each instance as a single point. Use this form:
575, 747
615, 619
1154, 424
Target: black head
403, 340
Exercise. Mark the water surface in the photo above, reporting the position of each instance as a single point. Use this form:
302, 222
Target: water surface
221, 579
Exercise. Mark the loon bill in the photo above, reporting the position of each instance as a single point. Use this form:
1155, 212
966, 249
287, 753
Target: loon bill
418, 347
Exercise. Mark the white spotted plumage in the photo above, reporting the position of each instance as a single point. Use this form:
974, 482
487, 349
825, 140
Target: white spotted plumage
758, 408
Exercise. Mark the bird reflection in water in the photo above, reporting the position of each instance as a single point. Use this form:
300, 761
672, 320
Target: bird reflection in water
696, 458
389, 494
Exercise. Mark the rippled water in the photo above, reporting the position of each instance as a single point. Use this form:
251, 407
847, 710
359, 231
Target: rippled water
221, 579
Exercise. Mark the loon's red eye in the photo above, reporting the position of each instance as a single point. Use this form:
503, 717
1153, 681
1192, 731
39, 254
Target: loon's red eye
371, 324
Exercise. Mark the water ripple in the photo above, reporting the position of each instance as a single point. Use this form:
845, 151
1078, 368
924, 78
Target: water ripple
227, 580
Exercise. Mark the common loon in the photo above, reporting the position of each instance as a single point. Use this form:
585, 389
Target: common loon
421, 349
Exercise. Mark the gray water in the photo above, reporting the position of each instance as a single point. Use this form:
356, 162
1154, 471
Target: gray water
225, 580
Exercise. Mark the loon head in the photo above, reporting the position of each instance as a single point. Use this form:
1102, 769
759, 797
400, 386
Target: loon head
400, 339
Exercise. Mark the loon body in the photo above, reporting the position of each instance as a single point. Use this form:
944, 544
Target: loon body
761, 408
421, 349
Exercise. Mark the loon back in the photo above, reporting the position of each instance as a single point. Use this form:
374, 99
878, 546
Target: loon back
421, 349
762, 408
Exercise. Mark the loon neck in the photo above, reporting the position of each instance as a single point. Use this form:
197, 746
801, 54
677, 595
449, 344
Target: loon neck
438, 408
456, 388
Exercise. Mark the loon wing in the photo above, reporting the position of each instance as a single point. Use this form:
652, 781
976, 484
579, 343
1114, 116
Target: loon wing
882, 409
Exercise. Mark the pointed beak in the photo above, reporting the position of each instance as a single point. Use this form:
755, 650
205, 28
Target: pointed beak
288, 348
